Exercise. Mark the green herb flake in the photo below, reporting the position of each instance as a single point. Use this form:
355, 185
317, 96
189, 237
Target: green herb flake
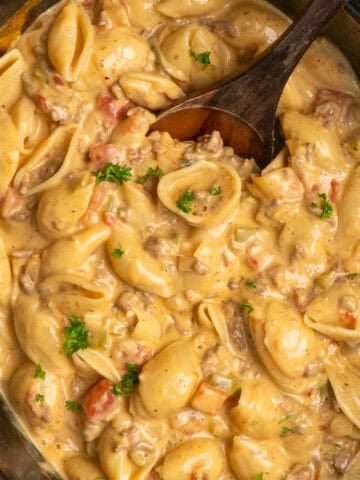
286, 418
259, 476
251, 284
215, 190
127, 384
184, 201
150, 173
286, 430
117, 253
76, 336
254, 423
351, 276
39, 372
246, 307
325, 207
114, 173
40, 398
203, 58
73, 406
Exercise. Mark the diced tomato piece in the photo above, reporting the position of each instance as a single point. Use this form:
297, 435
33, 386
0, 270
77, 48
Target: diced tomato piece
58, 80
209, 399
335, 189
348, 320
109, 219
252, 263
41, 103
111, 106
101, 155
99, 402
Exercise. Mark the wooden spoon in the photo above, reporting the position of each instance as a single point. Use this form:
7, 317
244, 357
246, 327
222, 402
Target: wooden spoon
243, 109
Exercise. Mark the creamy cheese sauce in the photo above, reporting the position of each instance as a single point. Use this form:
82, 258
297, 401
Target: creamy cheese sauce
167, 312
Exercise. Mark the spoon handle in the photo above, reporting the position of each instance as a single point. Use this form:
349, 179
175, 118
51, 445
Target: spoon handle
266, 79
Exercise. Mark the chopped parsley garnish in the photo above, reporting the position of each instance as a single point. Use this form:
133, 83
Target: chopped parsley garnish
40, 398
73, 406
150, 173
184, 201
114, 173
325, 206
117, 253
39, 372
127, 384
246, 307
76, 336
203, 57
286, 430
286, 418
215, 190
259, 476
251, 284
351, 276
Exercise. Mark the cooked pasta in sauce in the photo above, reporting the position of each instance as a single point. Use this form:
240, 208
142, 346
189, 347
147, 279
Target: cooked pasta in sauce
168, 312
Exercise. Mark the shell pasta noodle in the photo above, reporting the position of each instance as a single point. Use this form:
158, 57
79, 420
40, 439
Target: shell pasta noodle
168, 311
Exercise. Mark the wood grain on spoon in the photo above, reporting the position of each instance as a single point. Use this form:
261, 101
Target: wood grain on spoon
244, 109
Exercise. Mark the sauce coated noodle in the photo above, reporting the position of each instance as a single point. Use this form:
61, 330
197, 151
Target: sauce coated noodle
167, 311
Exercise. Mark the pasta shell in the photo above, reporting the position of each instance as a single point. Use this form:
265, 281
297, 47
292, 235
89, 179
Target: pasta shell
81, 468
39, 335
257, 415
283, 350
9, 151
248, 457
142, 208
12, 66
131, 132
6, 276
50, 162
136, 266
150, 90
345, 381
69, 253
119, 51
328, 154
201, 177
325, 315
348, 232
100, 363
23, 389
211, 315
70, 42
31, 125
174, 52
203, 456
143, 14
253, 27
115, 462
61, 208
189, 8
72, 295
166, 375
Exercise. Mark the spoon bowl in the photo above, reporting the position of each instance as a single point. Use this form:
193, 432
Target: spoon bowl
189, 123
244, 109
